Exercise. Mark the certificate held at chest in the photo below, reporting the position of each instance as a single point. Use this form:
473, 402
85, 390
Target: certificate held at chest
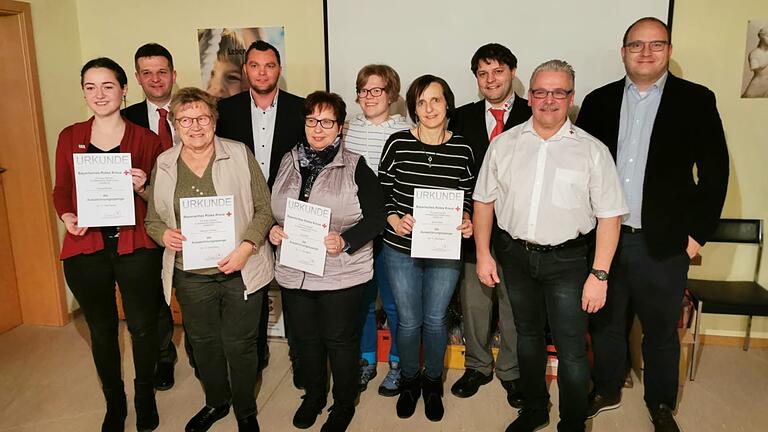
306, 226
104, 189
438, 215
208, 223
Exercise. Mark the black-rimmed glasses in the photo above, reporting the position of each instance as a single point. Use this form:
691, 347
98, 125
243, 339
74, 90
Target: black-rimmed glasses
556, 93
639, 46
324, 123
186, 122
374, 92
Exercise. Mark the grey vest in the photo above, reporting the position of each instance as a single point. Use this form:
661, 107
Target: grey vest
336, 189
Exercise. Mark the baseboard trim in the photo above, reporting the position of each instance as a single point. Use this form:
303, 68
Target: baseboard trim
733, 341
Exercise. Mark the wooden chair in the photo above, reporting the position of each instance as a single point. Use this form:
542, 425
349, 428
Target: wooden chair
730, 297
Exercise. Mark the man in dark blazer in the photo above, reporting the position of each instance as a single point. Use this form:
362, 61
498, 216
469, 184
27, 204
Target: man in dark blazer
658, 127
156, 76
270, 122
494, 66
236, 113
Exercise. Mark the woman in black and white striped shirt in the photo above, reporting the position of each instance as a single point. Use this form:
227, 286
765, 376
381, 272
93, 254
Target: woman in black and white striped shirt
426, 156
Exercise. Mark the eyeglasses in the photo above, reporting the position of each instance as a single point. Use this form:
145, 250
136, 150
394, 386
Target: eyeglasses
639, 46
556, 93
186, 122
374, 92
324, 123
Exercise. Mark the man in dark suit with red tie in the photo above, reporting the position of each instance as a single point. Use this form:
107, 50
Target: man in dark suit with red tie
494, 67
156, 76
269, 121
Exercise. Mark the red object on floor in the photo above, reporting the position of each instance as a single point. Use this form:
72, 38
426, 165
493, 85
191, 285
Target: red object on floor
382, 346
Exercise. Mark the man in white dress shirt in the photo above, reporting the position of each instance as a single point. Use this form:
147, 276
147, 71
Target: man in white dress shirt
554, 190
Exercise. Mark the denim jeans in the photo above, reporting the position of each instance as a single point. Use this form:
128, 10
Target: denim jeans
92, 277
547, 286
379, 285
223, 328
325, 330
423, 289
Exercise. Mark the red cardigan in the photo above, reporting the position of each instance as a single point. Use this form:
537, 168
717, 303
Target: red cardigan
144, 147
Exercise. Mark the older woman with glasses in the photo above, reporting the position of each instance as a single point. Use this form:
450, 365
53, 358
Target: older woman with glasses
221, 314
426, 156
323, 311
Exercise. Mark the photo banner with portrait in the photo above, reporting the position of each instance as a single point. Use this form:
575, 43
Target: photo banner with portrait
755, 77
222, 54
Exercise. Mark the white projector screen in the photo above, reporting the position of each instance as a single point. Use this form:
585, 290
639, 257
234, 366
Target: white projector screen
436, 37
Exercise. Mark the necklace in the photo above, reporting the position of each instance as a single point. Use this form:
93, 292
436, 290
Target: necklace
424, 148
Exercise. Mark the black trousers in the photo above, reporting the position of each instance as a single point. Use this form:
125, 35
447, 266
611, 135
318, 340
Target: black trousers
655, 289
223, 327
165, 332
92, 280
325, 326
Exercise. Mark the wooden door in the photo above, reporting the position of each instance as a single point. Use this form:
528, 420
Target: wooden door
10, 309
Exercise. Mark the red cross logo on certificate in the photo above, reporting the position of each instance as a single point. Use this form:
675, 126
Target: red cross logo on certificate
126, 172
324, 225
229, 214
457, 209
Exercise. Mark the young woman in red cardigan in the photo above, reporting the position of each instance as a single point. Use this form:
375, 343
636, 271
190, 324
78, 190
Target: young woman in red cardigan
96, 258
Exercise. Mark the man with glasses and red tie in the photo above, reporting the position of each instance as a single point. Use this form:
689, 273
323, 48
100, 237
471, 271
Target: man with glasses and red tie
554, 191
494, 67
657, 127
156, 76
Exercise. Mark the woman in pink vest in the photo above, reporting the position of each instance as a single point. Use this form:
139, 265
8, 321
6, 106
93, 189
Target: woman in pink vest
324, 309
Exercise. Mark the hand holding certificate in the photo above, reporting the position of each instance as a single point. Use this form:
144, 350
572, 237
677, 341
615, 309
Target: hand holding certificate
208, 223
306, 226
438, 214
104, 188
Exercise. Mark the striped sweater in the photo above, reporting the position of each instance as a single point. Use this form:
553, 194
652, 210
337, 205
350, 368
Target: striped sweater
405, 165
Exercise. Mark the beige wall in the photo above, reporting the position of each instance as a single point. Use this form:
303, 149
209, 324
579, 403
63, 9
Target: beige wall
709, 37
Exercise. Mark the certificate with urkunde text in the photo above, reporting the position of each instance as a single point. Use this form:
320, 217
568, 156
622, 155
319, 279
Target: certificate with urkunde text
306, 226
104, 189
208, 223
437, 213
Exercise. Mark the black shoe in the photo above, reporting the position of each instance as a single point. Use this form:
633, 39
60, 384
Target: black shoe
468, 384
117, 410
248, 424
147, 418
599, 403
663, 419
514, 395
339, 419
529, 420
432, 390
205, 418
307, 413
164, 376
410, 390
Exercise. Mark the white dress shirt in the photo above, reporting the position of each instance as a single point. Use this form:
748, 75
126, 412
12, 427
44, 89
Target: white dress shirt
549, 191
154, 118
263, 124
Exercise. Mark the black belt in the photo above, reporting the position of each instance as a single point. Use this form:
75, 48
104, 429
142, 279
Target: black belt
630, 230
534, 247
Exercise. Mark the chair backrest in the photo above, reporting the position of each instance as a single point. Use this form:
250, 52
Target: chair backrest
748, 231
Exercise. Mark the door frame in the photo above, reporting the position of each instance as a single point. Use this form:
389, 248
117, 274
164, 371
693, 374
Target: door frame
28, 191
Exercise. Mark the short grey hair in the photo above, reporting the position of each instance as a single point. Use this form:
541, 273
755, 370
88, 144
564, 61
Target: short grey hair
555, 66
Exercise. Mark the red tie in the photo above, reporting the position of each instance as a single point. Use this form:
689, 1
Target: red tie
163, 130
497, 114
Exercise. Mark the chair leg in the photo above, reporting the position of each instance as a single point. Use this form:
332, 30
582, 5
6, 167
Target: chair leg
696, 341
749, 330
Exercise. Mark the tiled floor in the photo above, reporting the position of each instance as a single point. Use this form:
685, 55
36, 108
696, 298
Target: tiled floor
48, 383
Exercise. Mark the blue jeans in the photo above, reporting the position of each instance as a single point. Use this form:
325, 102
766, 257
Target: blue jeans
547, 286
378, 285
423, 289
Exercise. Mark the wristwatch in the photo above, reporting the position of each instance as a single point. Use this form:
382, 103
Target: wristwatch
601, 275
346, 247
